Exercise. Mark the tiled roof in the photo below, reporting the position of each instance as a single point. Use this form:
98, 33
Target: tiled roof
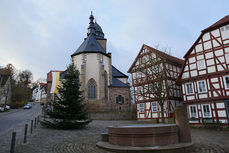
117, 83
90, 45
160, 53
167, 56
221, 22
117, 73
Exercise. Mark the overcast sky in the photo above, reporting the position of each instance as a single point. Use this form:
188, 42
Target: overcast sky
40, 35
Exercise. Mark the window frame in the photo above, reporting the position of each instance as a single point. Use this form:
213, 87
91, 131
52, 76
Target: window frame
210, 113
186, 89
92, 92
154, 106
120, 99
225, 83
141, 107
190, 112
204, 85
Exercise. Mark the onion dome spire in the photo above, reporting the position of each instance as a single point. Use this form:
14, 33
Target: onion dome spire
91, 27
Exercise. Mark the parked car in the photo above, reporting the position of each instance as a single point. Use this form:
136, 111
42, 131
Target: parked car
27, 106
7, 107
1, 109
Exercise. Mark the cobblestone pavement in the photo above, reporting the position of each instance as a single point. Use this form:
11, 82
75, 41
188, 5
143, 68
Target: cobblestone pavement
46, 140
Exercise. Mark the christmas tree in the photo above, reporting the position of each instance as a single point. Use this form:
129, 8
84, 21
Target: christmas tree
68, 110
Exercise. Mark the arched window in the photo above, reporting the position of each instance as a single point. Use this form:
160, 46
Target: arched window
91, 89
105, 84
119, 99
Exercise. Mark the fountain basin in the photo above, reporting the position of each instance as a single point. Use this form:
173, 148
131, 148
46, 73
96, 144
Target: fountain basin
144, 135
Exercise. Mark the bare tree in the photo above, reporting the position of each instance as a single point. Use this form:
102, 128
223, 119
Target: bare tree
158, 86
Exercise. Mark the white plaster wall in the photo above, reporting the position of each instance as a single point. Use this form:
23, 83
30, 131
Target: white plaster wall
207, 45
220, 105
222, 113
206, 36
209, 55
106, 66
77, 60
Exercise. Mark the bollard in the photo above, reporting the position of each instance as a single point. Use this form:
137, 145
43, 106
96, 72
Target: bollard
35, 123
31, 128
25, 134
13, 142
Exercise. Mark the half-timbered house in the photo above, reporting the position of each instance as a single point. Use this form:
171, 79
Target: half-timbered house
205, 75
146, 105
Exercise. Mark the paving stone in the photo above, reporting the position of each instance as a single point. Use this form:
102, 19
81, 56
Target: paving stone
84, 140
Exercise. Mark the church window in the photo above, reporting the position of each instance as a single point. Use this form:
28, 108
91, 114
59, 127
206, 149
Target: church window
92, 89
119, 99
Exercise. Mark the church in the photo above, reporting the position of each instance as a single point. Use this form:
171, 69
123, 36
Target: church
106, 89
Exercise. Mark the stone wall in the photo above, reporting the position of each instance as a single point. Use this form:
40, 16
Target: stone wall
112, 116
119, 107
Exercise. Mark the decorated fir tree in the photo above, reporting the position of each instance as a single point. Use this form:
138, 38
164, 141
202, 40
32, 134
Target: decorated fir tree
68, 110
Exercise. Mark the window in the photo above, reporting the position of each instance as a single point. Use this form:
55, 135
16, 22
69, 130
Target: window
138, 75
192, 111
206, 110
154, 106
201, 64
119, 99
91, 89
139, 90
202, 86
226, 82
141, 108
227, 58
189, 88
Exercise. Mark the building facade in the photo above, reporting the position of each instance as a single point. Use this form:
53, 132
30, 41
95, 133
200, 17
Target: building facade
105, 87
143, 74
5, 89
205, 75
39, 93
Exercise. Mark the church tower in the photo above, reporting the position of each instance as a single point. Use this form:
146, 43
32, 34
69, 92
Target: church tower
97, 75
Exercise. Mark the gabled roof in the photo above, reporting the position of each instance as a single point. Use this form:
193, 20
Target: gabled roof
221, 22
115, 75
90, 45
118, 74
160, 53
117, 83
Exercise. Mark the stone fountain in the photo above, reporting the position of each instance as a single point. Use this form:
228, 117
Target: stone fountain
155, 138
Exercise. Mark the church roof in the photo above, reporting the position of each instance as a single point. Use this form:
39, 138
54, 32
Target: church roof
117, 83
117, 73
90, 45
